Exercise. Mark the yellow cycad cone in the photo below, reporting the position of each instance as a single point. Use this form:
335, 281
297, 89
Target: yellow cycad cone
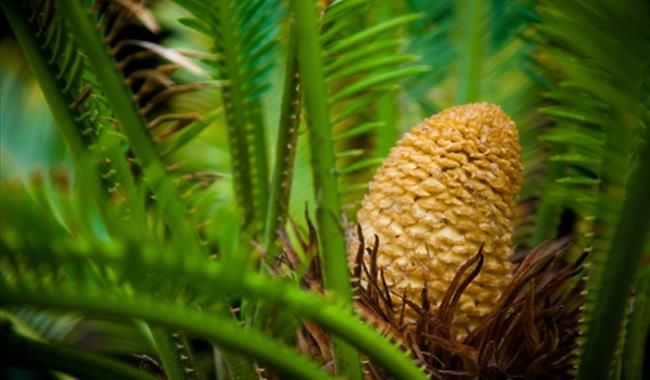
446, 188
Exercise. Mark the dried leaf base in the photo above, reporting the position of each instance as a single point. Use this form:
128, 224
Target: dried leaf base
530, 333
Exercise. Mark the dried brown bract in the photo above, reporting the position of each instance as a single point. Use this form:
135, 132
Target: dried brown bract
530, 332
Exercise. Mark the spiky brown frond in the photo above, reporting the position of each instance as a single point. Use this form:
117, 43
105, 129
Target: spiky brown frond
530, 332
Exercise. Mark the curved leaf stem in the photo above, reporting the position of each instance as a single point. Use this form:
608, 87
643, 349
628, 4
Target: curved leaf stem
469, 76
245, 131
162, 342
223, 331
285, 150
328, 208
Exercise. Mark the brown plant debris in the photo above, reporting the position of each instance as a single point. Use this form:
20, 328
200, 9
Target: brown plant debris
530, 332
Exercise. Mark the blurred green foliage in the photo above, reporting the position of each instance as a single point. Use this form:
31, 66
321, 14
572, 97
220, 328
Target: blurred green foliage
29, 139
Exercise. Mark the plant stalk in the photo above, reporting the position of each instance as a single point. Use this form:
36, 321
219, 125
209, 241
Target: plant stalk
328, 209
245, 129
469, 75
285, 151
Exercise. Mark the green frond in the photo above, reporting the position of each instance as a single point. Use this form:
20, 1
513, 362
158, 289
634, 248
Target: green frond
595, 138
219, 329
98, 104
94, 276
363, 66
140, 111
595, 98
244, 37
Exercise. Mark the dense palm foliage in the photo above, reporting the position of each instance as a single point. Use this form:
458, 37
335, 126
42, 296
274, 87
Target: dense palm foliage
172, 231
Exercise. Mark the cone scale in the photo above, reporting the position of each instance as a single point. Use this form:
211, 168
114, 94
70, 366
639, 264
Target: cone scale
448, 187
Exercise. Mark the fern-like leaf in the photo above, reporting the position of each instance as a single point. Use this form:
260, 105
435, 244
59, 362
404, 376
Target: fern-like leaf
244, 36
598, 119
91, 275
362, 67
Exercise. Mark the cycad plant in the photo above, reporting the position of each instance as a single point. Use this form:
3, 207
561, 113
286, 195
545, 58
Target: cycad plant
201, 222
